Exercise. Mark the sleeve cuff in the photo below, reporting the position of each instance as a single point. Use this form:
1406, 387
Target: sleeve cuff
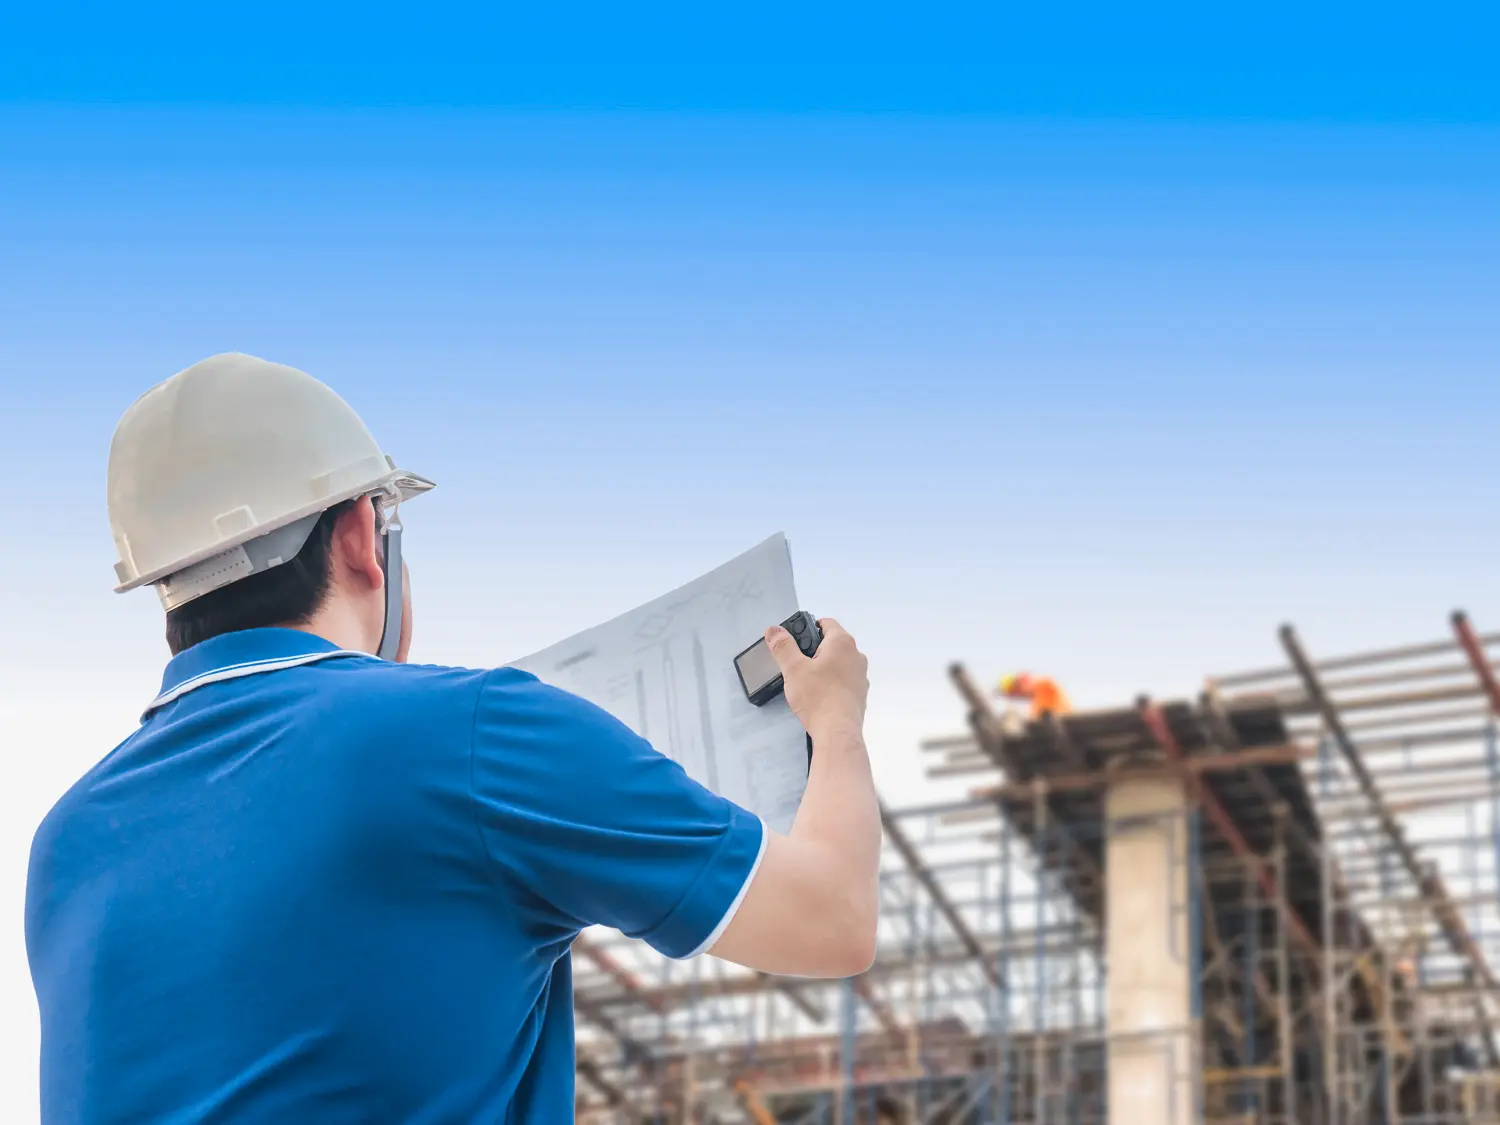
704, 913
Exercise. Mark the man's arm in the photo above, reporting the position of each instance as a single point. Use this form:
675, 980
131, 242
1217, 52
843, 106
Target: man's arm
583, 823
812, 906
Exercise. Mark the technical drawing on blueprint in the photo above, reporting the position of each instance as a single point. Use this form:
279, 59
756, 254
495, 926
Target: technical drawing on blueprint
666, 670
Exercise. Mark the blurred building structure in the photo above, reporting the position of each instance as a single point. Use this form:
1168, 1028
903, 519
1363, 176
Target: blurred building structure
1277, 902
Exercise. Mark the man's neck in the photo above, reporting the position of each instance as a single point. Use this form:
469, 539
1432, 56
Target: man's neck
338, 624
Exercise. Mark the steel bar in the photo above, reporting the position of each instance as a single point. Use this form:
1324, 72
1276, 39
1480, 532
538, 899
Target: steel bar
864, 988
1404, 744
632, 1048
602, 960
1215, 719
1426, 876
1156, 723
1219, 731
590, 1071
1473, 647
986, 730
1388, 700
943, 957
1356, 660
1465, 714
1230, 761
939, 896
1405, 675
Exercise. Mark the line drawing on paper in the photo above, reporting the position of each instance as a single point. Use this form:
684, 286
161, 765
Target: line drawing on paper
666, 669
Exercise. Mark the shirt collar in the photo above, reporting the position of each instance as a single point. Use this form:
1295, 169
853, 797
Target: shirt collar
232, 655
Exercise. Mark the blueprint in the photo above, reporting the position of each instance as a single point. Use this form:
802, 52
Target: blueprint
666, 670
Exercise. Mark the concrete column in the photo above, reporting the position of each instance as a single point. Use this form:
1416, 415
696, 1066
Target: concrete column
1152, 1079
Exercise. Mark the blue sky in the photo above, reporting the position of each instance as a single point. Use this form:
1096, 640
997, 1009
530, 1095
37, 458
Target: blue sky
1089, 342
1271, 61
985, 362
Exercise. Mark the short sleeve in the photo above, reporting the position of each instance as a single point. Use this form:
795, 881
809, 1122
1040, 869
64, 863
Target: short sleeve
600, 827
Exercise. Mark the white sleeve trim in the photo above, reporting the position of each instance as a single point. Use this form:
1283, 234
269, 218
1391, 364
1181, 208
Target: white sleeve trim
734, 907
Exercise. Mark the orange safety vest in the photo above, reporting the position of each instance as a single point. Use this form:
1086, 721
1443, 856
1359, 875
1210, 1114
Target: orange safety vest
1047, 696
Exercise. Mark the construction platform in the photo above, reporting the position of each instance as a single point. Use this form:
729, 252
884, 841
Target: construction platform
1338, 847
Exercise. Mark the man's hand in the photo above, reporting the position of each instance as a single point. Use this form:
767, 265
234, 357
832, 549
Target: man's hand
828, 691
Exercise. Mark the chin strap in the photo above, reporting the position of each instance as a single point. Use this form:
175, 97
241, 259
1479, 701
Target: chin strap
390, 639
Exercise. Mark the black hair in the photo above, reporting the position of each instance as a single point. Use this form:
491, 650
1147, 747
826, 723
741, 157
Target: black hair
288, 594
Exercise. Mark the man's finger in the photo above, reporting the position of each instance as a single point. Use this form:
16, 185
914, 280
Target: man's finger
831, 629
783, 647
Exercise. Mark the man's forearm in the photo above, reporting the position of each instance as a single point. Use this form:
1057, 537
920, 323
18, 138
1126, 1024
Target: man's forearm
840, 815
813, 905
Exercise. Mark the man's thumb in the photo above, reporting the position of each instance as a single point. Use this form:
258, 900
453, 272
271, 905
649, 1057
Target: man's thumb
783, 647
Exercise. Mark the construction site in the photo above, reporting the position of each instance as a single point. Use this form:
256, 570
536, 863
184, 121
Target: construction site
1274, 902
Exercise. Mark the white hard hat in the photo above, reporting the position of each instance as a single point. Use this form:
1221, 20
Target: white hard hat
223, 470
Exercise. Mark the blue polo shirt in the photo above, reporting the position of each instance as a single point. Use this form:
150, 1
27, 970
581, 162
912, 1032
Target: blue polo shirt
315, 886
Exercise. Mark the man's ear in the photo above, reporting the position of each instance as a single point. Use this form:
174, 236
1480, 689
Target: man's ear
356, 548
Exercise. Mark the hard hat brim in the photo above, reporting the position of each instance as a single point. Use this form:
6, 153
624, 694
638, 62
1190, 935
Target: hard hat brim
399, 484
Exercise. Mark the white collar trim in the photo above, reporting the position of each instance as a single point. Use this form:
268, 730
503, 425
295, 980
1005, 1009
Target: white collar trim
248, 668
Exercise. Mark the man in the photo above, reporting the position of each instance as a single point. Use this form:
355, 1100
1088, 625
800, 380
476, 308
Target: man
1042, 692
322, 885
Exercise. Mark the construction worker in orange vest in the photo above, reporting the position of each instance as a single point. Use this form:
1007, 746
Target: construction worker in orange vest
1041, 692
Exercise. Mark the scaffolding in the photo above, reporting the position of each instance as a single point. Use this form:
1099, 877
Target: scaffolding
1333, 902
